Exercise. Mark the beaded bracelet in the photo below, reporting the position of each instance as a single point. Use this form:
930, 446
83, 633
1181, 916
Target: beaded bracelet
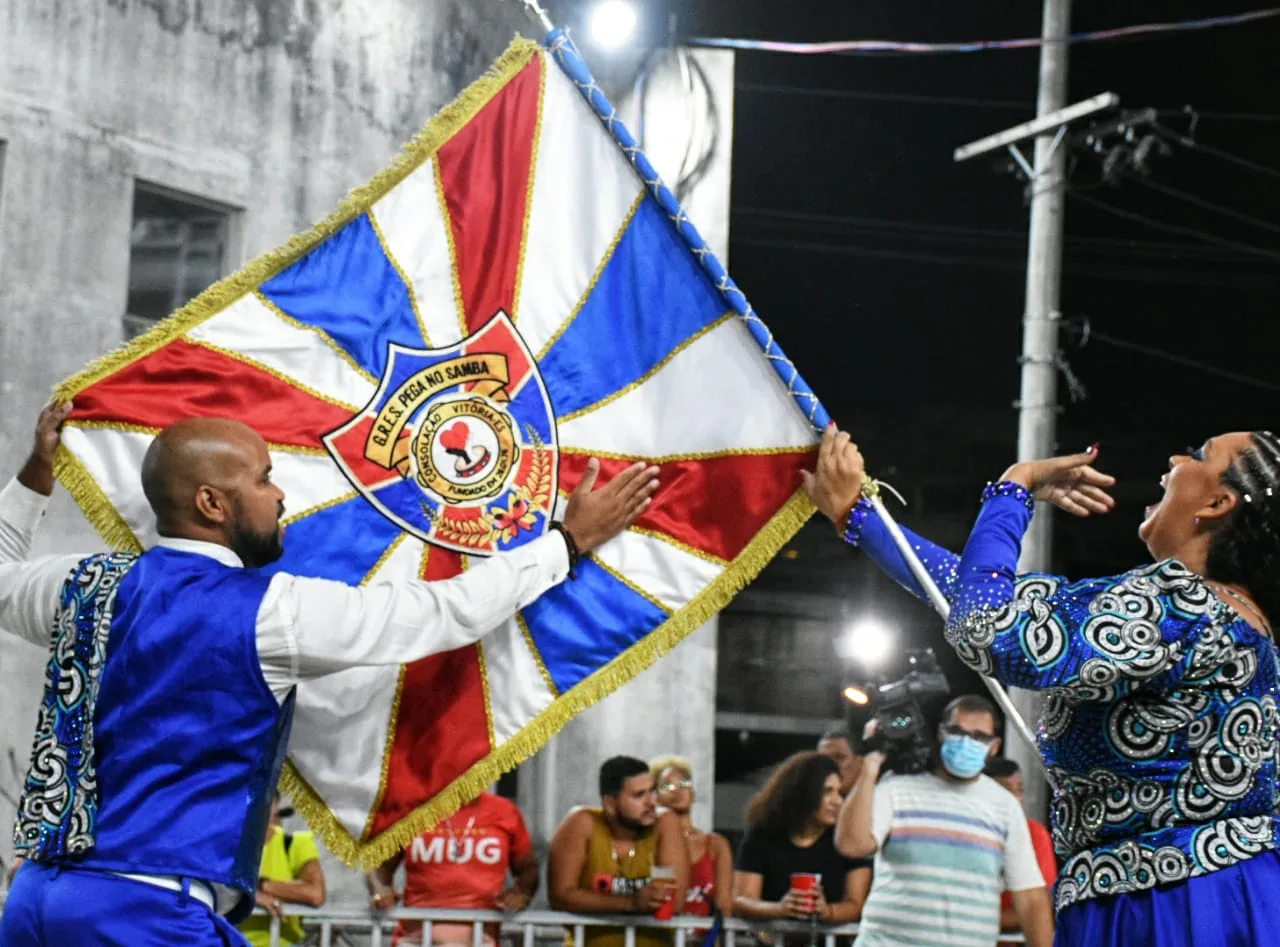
570, 545
852, 531
1007, 489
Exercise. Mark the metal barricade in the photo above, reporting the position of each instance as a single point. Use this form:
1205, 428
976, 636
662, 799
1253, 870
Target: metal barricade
530, 928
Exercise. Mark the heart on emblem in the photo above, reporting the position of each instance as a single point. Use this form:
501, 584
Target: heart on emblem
455, 437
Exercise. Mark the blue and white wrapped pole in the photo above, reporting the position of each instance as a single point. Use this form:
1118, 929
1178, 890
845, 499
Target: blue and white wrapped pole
570, 60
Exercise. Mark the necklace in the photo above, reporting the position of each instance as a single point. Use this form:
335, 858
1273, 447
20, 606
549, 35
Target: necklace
455, 848
1247, 604
617, 862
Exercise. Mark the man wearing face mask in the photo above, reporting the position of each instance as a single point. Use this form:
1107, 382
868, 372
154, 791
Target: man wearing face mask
946, 844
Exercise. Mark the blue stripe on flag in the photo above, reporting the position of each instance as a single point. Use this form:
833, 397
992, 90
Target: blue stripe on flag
528, 408
406, 500
650, 297
347, 287
583, 624
342, 542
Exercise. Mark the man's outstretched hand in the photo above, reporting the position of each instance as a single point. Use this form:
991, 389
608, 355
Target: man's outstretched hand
37, 472
594, 516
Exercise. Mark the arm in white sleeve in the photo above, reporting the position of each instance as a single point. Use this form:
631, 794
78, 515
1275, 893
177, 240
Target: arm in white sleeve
29, 590
311, 627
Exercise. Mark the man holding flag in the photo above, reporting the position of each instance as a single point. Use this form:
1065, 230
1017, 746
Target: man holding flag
169, 689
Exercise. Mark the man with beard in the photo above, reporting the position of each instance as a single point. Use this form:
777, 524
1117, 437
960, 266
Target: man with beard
603, 861
170, 687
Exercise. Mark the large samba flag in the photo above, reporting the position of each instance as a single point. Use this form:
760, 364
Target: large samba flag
432, 367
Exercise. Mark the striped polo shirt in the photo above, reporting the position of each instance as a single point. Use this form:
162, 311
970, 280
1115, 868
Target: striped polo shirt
947, 851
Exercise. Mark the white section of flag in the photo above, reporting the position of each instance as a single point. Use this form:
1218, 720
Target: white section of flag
302, 355
114, 459
343, 720
668, 573
569, 238
670, 413
517, 689
416, 236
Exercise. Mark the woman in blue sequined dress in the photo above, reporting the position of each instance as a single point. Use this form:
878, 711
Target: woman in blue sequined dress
1160, 725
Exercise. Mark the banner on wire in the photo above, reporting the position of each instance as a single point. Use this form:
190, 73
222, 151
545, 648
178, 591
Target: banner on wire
432, 366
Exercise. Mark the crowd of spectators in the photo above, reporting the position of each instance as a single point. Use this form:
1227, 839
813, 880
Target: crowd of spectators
942, 857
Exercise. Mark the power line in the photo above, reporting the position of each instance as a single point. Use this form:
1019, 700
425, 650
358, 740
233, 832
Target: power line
877, 46
1171, 228
951, 232
1188, 142
1184, 361
825, 92
908, 97
1206, 205
1124, 274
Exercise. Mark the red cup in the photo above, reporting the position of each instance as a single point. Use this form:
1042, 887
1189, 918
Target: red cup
807, 883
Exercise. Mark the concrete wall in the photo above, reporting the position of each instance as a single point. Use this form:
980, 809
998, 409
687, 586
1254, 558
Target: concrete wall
274, 107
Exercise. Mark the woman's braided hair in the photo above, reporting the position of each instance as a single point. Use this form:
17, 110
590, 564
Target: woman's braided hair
1246, 551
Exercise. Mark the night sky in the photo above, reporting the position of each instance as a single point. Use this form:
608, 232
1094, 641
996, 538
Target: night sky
903, 291
894, 277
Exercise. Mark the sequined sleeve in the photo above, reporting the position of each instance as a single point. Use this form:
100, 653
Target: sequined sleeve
866, 531
1096, 638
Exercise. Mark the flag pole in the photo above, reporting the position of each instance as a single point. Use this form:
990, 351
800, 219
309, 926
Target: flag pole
536, 10
871, 490
566, 55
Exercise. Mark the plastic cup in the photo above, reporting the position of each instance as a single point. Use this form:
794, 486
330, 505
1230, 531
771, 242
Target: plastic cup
666, 877
807, 883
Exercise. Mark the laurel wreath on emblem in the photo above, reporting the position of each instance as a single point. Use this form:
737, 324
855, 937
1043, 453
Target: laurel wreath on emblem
496, 523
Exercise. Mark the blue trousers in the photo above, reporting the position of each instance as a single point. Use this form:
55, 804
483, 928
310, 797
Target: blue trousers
1235, 907
50, 906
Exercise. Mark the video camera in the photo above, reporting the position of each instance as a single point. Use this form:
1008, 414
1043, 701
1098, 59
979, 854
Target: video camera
901, 731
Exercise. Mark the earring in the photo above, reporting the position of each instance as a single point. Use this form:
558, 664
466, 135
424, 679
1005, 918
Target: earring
1196, 521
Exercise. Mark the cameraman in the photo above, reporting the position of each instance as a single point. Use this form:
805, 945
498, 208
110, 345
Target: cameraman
946, 844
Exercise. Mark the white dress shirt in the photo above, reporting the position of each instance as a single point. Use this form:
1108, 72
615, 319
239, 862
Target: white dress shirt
306, 627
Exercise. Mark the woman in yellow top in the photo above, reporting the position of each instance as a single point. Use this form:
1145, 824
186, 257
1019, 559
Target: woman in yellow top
290, 874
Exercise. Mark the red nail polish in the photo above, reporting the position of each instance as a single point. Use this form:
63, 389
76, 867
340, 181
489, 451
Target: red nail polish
1093, 448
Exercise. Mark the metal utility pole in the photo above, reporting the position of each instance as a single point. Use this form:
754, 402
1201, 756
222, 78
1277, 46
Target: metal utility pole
1038, 403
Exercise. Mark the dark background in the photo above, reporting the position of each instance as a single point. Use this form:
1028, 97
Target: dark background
894, 278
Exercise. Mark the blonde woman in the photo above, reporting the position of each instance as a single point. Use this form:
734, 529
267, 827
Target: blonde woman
710, 857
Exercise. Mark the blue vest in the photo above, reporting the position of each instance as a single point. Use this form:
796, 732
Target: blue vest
188, 739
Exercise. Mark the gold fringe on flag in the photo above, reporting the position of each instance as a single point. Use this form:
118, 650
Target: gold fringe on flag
370, 854
79, 482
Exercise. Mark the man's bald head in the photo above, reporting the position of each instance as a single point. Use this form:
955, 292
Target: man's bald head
209, 479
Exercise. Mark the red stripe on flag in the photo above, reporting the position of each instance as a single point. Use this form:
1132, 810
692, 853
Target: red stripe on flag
716, 505
441, 726
351, 445
484, 173
183, 380
498, 338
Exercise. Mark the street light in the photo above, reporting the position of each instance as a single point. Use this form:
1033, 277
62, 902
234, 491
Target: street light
867, 641
612, 23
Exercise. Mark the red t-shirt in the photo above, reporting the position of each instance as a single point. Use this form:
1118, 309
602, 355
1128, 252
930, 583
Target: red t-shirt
463, 861
1042, 842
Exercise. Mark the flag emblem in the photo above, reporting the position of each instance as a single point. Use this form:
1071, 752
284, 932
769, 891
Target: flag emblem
458, 445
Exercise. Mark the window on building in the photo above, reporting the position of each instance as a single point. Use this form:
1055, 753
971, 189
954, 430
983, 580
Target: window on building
178, 246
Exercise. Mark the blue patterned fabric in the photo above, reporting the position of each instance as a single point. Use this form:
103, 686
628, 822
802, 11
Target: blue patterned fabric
1160, 726
58, 810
